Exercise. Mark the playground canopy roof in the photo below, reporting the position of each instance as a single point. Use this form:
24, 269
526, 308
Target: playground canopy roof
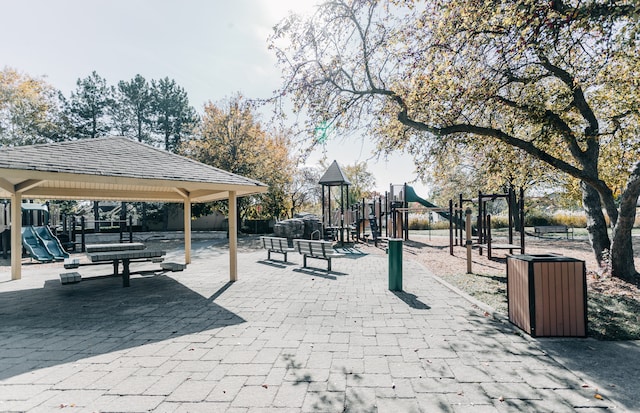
334, 176
114, 168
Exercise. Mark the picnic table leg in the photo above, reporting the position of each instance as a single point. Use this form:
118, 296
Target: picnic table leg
125, 272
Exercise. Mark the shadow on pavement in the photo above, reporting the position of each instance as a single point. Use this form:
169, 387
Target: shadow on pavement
58, 323
613, 364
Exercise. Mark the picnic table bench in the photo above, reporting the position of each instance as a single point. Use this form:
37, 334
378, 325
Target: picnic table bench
316, 249
125, 256
276, 244
117, 252
553, 229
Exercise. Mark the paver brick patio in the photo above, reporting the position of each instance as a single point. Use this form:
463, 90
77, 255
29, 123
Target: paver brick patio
280, 339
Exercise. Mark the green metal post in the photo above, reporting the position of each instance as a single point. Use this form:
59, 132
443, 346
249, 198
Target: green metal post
395, 264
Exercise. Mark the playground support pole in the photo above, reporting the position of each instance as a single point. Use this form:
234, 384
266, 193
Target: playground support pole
82, 249
468, 243
406, 214
511, 205
460, 219
451, 227
521, 205
479, 226
488, 236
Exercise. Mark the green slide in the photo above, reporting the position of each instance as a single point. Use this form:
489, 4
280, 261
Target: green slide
34, 245
411, 196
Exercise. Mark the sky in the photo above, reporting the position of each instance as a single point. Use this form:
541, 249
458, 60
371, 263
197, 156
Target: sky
212, 48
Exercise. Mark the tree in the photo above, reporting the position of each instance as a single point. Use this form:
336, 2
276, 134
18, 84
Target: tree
362, 182
134, 100
174, 118
89, 107
304, 192
29, 110
557, 80
231, 138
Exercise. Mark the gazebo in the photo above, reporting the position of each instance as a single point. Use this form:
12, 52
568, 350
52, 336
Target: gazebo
334, 177
119, 169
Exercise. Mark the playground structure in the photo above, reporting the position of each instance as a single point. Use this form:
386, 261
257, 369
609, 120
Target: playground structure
483, 236
391, 212
48, 237
334, 177
38, 241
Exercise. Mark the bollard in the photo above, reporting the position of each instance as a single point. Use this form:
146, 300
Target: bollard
395, 264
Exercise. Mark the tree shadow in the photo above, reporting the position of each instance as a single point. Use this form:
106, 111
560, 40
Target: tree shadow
333, 400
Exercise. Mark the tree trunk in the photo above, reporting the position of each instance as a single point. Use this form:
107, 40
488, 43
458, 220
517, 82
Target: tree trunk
596, 224
622, 264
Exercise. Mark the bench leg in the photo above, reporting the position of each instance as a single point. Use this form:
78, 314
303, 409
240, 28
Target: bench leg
329, 266
304, 261
268, 254
125, 273
285, 257
115, 267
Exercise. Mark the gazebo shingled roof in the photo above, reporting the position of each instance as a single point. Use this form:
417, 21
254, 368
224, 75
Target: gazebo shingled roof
116, 168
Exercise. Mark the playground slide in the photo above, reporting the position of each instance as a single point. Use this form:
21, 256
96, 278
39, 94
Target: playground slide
411, 196
34, 245
51, 242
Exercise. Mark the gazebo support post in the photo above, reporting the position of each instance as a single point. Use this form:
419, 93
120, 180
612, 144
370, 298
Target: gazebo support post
233, 237
187, 230
16, 236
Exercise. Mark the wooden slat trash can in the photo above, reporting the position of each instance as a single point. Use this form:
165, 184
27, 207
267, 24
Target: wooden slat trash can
547, 295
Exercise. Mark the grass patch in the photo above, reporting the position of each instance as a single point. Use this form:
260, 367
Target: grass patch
611, 316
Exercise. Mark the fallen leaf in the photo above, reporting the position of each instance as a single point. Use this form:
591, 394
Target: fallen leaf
486, 314
266, 386
585, 385
597, 396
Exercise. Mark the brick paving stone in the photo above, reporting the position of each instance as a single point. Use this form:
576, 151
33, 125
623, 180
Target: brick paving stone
166, 384
329, 402
290, 394
192, 391
255, 396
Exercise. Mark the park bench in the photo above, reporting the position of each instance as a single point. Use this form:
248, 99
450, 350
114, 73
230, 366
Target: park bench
276, 244
553, 229
322, 250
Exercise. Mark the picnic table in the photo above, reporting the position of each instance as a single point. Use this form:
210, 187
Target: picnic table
118, 252
122, 246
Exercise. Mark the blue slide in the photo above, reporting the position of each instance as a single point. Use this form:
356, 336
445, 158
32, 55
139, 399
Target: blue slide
51, 243
34, 245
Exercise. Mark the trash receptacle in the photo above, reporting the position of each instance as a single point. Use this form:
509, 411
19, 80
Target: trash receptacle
547, 295
395, 264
